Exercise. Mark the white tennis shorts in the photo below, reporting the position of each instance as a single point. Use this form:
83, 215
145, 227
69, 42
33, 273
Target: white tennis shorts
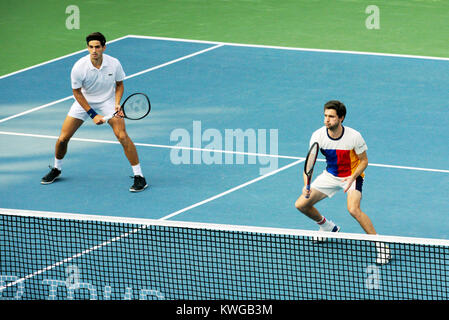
329, 184
105, 108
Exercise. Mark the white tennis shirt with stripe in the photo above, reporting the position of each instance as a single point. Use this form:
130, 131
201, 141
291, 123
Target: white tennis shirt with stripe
341, 153
97, 85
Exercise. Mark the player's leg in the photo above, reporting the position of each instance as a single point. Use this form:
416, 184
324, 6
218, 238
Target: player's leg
354, 200
118, 126
69, 127
323, 186
307, 206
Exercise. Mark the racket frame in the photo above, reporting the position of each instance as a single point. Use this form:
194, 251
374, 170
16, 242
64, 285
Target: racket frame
310, 172
123, 109
124, 105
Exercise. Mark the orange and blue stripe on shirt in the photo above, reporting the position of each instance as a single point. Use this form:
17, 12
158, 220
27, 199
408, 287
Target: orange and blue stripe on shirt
341, 163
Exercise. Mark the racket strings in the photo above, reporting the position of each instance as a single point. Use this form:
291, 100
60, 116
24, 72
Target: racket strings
310, 161
136, 106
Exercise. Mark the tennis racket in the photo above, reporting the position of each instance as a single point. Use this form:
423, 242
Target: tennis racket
137, 106
310, 163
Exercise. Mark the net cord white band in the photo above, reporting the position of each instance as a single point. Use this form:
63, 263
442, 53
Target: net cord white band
225, 227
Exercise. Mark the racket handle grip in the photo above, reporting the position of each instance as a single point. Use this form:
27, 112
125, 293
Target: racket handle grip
307, 196
107, 118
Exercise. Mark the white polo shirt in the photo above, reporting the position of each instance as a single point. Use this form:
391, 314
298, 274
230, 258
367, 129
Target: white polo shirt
97, 85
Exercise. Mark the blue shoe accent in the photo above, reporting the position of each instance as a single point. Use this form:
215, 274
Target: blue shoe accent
324, 239
336, 229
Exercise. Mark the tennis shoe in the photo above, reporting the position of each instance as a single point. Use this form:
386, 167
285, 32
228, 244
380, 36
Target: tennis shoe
51, 176
139, 184
323, 239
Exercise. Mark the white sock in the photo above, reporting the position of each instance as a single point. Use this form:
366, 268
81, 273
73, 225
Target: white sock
137, 170
58, 163
326, 225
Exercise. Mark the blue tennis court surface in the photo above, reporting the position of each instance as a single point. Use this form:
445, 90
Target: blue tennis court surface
399, 104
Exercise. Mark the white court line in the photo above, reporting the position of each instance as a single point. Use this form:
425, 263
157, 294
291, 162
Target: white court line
232, 190
56, 59
154, 145
215, 150
174, 61
127, 77
217, 44
291, 48
124, 235
35, 109
236, 45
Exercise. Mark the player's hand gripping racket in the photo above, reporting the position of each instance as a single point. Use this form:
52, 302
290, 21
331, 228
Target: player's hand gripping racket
310, 163
137, 106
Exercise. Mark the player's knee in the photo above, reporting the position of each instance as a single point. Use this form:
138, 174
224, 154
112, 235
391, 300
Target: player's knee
122, 136
300, 205
354, 211
63, 139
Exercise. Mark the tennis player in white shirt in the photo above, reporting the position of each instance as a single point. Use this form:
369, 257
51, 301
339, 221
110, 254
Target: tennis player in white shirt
97, 84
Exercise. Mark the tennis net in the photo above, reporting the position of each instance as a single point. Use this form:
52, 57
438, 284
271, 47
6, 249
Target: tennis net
46, 255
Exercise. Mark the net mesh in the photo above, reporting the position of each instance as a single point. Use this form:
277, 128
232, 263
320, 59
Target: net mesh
45, 257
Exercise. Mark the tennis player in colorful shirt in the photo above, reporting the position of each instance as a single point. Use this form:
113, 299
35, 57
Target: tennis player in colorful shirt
345, 151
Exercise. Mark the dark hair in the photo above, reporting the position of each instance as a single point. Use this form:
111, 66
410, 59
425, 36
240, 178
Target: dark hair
96, 36
337, 106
